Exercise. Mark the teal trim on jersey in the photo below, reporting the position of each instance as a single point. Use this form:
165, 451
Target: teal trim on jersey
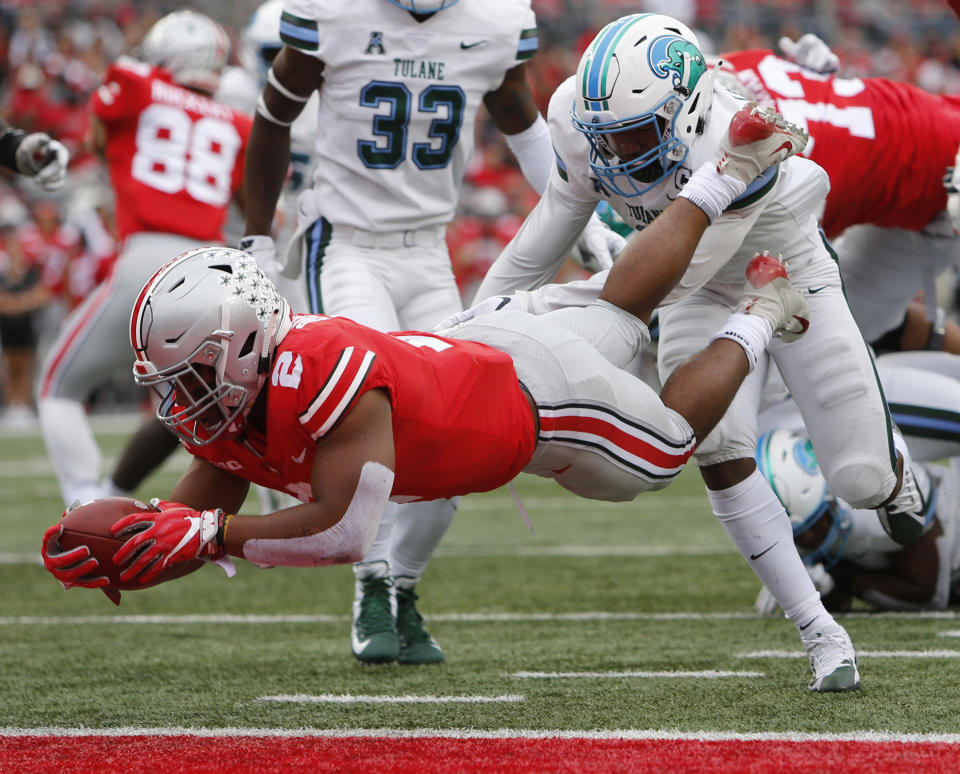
316, 241
926, 422
561, 168
299, 33
756, 190
529, 43
595, 91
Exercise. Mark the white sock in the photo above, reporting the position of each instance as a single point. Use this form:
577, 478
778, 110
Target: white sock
380, 549
755, 520
750, 331
418, 529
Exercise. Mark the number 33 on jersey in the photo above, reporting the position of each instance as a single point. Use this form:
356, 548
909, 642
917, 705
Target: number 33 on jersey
175, 156
399, 100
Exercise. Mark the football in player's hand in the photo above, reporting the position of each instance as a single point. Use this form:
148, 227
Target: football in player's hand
89, 525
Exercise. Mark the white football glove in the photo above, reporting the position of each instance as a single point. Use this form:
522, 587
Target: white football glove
810, 53
263, 249
44, 159
488, 305
598, 246
765, 604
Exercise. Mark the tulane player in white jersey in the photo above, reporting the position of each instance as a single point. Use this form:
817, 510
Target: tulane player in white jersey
641, 114
400, 83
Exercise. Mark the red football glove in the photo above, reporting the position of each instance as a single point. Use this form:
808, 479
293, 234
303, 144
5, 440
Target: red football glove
176, 533
72, 567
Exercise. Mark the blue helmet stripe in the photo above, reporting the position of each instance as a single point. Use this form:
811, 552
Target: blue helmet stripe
594, 82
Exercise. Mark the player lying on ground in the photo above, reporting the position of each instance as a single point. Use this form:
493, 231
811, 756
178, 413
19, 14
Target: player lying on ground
846, 552
358, 417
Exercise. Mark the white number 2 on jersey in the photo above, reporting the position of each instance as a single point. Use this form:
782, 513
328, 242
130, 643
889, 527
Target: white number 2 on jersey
174, 153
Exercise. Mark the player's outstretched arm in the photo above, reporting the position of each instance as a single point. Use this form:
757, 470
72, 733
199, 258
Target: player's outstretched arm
293, 78
351, 481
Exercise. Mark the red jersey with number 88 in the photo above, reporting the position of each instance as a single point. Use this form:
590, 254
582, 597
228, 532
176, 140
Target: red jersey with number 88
885, 145
461, 422
175, 156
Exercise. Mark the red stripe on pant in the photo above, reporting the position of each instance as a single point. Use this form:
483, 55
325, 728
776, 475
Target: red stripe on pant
612, 434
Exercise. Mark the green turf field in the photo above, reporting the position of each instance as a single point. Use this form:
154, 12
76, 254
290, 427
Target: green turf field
635, 616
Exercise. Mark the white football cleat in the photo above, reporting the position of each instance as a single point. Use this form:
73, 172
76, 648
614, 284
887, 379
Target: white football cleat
767, 293
756, 140
832, 659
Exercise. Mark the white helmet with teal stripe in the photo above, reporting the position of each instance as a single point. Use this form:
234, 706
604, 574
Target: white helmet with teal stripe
643, 95
786, 459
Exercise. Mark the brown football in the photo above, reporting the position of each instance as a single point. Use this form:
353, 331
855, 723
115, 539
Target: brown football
89, 525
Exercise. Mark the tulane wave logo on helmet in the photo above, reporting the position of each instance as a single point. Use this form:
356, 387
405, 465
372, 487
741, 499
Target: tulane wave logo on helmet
672, 56
805, 458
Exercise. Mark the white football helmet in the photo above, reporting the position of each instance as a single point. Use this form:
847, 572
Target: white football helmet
261, 40
190, 46
423, 6
643, 95
787, 461
204, 329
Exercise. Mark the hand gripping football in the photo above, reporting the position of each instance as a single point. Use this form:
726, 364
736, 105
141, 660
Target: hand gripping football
89, 525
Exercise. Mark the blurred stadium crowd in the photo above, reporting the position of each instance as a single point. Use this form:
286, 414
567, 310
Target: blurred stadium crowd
53, 53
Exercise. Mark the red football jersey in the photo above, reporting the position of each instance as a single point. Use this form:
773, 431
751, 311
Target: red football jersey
175, 156
884, 145
461, 423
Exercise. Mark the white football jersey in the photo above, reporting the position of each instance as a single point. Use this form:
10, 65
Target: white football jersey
751, 222
395, 121
871, 548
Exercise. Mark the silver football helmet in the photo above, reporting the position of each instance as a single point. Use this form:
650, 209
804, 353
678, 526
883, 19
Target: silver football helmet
423, 6
190, 46
643, 95
787, 461
261, 40
204, 329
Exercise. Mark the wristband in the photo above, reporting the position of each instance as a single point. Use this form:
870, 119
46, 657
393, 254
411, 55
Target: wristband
712, 191
222, 525
10, 140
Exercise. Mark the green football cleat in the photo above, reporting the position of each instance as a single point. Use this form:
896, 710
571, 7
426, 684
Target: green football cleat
416, 644
373, 636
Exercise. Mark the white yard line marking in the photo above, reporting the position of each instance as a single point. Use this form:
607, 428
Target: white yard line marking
333, 698
588, 551
860, 653
707, 674
20, 558
225, 618
501, 733
587, 617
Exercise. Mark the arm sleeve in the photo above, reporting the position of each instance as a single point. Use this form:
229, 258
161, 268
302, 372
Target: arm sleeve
534, 256
534, 153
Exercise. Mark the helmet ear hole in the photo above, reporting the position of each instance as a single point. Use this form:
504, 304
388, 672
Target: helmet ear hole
247, 347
